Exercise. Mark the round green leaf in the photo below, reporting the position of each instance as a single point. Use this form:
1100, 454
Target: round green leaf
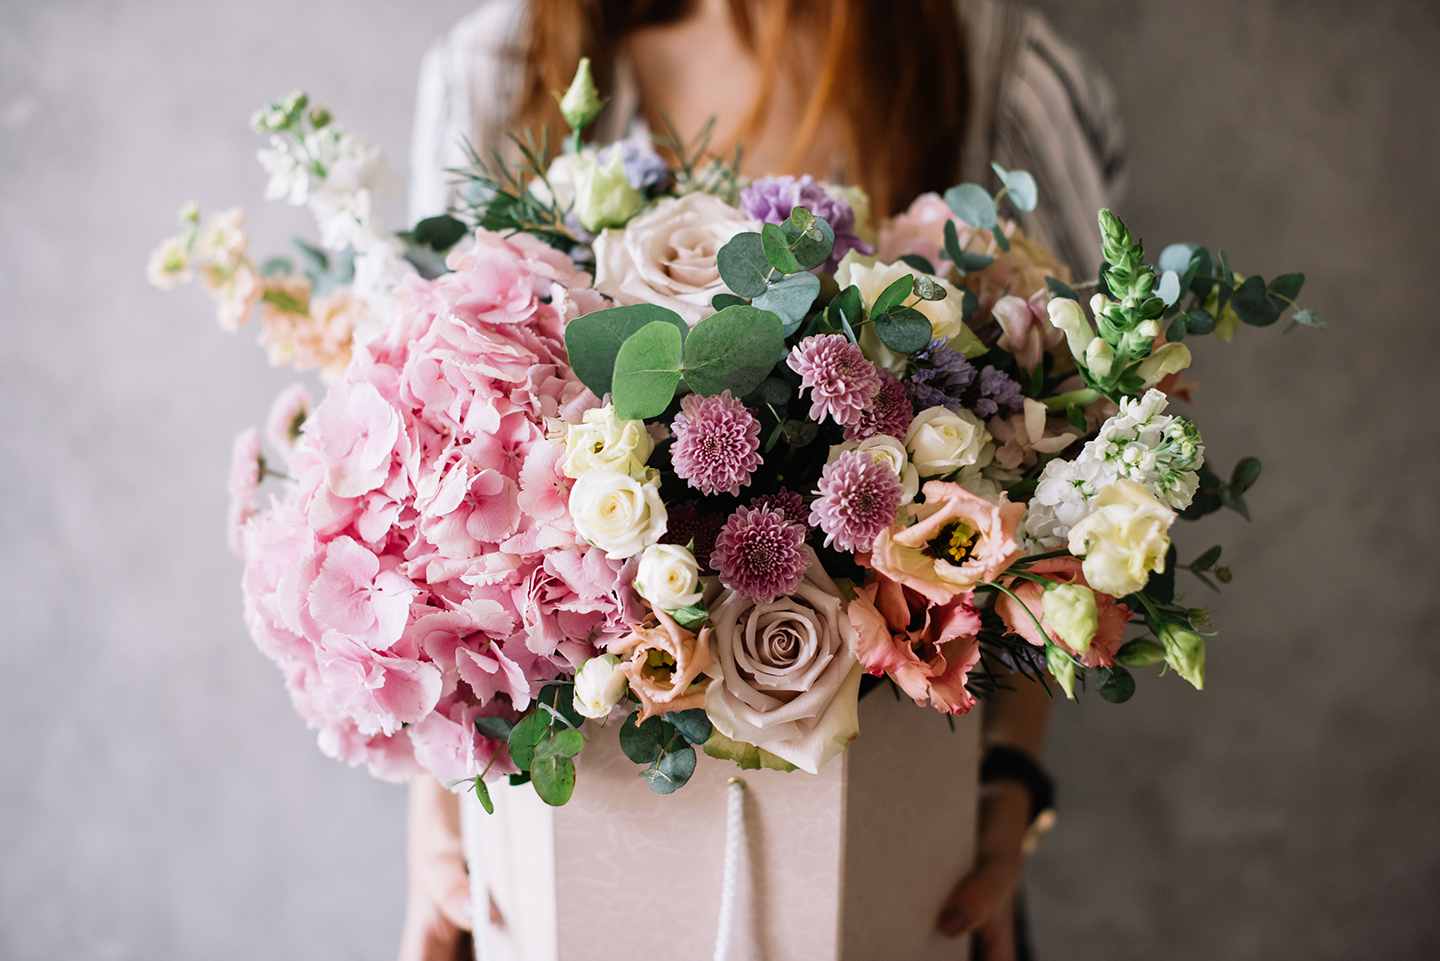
1176, 257
1023, 192
1245, 474
1176, 331
735, 349
916, 262
722, 300
743, 265
811, 238
1199, 321
641, 743
593, 341
894, 295
1253, 305
564, 744
972, 204
694, 725
790, 298
530, 731
777, 249
1169, 287
554, 779
672, 770
904, 330
647, 371
1116, 684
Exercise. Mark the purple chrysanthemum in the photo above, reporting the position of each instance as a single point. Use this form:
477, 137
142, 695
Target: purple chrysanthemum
787, 502
687, 526
771, 199
998, 389
760, 554
858, 499
842, 383
717, 443
889, 413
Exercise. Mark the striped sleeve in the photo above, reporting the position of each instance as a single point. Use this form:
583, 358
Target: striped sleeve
1058, 118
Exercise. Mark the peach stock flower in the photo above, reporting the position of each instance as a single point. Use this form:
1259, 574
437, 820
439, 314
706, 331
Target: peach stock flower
662, 664
958, 540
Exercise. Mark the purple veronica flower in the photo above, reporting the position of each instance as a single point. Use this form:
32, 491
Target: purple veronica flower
770, 200
760, 554
998, 389
858, 499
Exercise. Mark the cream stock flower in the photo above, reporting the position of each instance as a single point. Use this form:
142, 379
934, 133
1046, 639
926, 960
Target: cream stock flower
617, 513
1123, 539
668, 577
602, 440
941, 441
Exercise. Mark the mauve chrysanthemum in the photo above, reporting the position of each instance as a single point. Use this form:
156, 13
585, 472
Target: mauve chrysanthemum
842, 383
717, 443
760, 554
858, 499
687, 526
787, 502
889, 413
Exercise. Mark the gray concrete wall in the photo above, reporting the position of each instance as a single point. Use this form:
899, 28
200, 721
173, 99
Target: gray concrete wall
159, 799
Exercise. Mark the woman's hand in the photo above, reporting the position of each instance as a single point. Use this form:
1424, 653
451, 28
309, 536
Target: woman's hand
437, 909
984, 901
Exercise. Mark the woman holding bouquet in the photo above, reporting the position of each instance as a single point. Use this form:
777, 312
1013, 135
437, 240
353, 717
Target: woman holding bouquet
900, 98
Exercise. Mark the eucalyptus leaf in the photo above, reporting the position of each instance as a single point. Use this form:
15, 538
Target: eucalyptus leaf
916, 262
593, 340
439, 233
564, 744
1200, 270
1285, 288
848, 303
734, 349
1176, 257
482, 793
1076, 417
1309, 318
790, 299
1245, 474
777, 249
904, 330
554, 779
1235, 502
691, 618
647, 371
1116, 684
969, 303
1199, 321
893, 296
530, 731
743, 265
1176, 331
641, 743
1206, 560
812, 244
928, 289
952, 247
722, 300
799, 433
495, 728
694, 725
1169, 287
1061, 289
1252, 305
670, 773
972, 203
281, 266
773, 391
1023, 192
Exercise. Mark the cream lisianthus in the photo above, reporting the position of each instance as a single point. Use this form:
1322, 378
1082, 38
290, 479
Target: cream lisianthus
1072, 613
599, 685
668, 577
942, 441
1123, 539
617, 513
602, 440
887, 450
603, 195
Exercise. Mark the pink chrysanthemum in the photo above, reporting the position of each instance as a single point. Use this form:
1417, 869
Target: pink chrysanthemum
760, 554
717, 443
842, 383
889, 413
787, 502
858, 499
687, 526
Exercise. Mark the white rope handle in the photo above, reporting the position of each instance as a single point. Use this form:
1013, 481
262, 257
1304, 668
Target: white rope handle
734, 835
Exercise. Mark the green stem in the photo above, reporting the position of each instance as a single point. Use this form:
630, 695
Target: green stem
1062, 401
1026, 607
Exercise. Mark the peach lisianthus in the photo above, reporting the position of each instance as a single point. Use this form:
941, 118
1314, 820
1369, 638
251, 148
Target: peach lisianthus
662, 663
957, 540
928, 650
1111, 615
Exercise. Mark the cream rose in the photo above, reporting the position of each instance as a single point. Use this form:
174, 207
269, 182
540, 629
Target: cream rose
941, 441
602, 440
668, 577
785, 675
599, 685
666, 255
617, 513
1123, 538
947, 317
887, 450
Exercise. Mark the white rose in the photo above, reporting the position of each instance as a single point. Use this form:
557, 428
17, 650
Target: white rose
887, 450
941, 441
668, 577
599, 685
946, 316
604, 441
617, 513
666, 255
1123, 538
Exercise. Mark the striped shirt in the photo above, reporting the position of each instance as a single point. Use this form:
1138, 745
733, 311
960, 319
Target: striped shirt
1036, 105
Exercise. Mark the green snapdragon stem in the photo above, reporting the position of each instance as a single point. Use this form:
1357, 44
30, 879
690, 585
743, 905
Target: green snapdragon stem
1062, 401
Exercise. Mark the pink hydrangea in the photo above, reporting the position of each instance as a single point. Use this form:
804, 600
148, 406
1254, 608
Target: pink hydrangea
717, 443
842, 383
858, 499
760, 553
889, 413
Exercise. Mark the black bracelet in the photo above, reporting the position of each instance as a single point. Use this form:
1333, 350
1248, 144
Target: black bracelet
1003, 763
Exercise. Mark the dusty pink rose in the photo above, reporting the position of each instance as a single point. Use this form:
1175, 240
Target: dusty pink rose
1112, 615
957, 540
928, 650
662, 664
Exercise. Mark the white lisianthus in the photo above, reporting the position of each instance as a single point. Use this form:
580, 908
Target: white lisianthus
1123, 539
942, 441
668, 577
1184, 652
603, 195
887, 450
617, 513
1071, 612
602, 440
599, 685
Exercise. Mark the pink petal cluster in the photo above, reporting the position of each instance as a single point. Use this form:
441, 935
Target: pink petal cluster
717, 443
246, 465
1111, 620
928, 649
858, 499
422, 571
842, 383
787, 502
760, 553
889, 413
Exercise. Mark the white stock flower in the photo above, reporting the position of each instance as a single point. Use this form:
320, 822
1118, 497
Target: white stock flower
599, 685
887, 450
289, 180
617, 513
942, 441
1123, 539
604, 441
668, 577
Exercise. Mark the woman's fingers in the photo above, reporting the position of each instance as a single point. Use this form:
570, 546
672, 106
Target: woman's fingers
975, 900
996, 940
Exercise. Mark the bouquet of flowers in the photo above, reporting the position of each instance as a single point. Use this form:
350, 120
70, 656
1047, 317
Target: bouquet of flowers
629, 440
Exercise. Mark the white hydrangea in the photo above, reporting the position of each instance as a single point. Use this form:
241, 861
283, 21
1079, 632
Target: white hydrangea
1140, 443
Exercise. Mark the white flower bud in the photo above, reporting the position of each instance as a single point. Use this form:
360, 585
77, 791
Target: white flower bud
582, 101
668, 577
1184, 652
603, 195
1067, 315
604, 441
1099, 358
599, 685
1071, 613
